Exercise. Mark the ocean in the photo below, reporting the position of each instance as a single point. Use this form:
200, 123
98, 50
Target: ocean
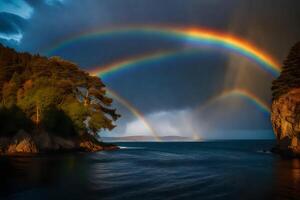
238, 169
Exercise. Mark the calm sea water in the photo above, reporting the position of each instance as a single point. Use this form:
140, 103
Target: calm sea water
179, 170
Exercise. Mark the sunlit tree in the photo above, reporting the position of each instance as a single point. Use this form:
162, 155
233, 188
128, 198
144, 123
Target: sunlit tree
53, 94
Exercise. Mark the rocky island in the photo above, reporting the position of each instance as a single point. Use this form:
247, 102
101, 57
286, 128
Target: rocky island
50, 105
285, 112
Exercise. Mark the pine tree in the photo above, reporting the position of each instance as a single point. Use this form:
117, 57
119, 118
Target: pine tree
290, 74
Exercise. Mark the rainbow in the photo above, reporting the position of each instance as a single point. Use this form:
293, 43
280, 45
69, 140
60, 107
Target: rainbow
248, 96
196, 35
118, 66
239, 93
134, 111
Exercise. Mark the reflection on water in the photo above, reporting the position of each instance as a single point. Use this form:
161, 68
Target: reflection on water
296, 171
205, 170
25, 173
287, 179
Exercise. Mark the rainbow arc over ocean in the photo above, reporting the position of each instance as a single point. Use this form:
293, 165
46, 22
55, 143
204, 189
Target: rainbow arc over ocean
134, 111
197, 36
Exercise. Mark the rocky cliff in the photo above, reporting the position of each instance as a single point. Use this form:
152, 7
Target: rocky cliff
285, 112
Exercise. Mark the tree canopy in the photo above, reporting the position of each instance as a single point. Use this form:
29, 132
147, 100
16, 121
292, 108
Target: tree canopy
51, 94
290, 74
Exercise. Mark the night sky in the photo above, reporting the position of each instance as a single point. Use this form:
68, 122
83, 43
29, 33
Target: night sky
174, 94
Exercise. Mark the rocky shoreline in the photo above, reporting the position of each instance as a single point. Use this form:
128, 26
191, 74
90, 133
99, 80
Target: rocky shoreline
42, 142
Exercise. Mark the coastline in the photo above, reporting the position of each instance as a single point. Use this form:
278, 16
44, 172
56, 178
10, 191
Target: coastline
43, 143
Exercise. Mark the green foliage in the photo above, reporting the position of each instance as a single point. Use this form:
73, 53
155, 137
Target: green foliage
98, 121
77, 113
37, 92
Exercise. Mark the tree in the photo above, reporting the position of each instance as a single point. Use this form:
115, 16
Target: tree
49, 93
290, 74
9, 94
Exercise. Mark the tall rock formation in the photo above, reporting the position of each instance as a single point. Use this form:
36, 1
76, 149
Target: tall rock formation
285, 114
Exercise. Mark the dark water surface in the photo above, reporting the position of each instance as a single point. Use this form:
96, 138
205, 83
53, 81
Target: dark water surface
183, 170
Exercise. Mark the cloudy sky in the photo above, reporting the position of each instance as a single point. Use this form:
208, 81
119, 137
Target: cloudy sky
172, 94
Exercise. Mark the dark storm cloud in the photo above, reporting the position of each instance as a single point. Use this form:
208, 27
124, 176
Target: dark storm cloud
271, 24
11, 26
17, 7
13, 16
78, 16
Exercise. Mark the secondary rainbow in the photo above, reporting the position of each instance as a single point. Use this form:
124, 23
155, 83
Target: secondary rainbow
134, 111
239, 92
195, 35
131, 62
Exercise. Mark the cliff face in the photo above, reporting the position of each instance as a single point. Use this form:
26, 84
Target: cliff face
285, 119
285, 113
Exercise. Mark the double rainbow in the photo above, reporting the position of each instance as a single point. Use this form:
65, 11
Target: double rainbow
198, 37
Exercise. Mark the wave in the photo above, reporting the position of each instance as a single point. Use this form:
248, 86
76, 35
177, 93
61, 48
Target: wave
122, 147
264, 151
